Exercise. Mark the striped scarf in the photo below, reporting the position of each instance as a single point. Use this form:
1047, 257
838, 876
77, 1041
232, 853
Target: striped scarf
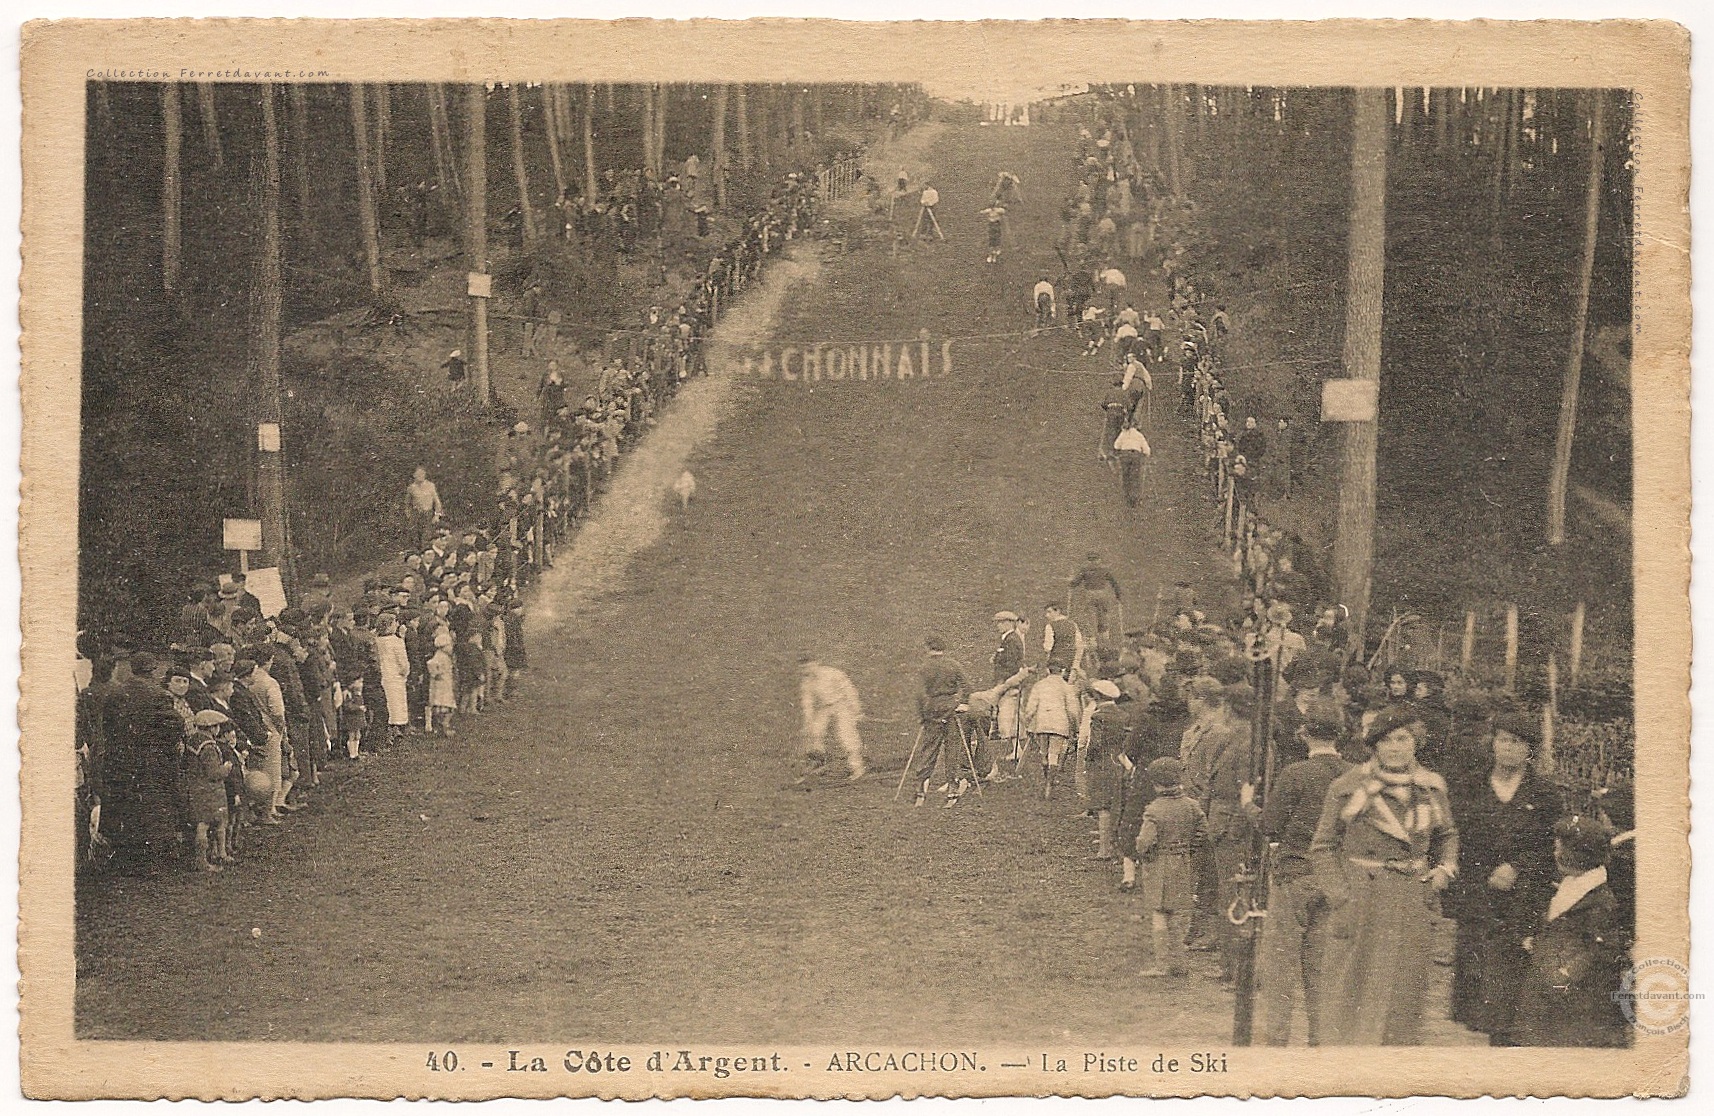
1404, 805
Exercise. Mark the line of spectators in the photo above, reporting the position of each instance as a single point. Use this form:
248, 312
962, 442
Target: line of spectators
1388, 802
187, 755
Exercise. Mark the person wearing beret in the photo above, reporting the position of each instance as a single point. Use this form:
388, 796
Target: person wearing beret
1569, 994
1505, 875
1386, 844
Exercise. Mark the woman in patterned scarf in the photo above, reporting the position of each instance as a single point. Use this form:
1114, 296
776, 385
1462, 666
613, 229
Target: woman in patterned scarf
1385, 846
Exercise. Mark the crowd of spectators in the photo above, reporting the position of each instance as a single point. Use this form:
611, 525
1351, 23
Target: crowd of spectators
1387, 808
188, 751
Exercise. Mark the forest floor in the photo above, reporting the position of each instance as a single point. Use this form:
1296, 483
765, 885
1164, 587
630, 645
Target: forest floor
620, 851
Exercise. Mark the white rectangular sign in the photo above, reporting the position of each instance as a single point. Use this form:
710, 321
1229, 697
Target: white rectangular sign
241, 534
1350, 400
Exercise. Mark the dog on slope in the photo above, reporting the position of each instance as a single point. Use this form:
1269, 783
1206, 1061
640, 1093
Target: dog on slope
685, 487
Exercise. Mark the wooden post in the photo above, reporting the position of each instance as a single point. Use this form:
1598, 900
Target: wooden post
1511, 648
1561, 475
1577, 618
1354, 545
264, 348
476, 232
1468, 650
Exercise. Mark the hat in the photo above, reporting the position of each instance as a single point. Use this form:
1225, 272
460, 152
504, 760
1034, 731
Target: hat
1005, 616
243, 668
144, 663
291, 617
1584, 841
220, 678
1323, 721
1390, 719
208, 718
1166, 772
1105, 688
1519, 723
230, 591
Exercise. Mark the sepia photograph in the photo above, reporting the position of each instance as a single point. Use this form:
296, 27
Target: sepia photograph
594, 577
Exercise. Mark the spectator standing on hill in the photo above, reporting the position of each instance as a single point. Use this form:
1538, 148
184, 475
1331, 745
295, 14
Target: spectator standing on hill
422, 508
929, 198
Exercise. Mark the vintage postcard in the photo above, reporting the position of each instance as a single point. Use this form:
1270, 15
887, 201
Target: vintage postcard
812, 559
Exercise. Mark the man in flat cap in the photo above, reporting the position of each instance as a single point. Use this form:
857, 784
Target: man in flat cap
1010, 671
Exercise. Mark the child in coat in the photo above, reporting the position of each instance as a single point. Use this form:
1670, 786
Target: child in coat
1173, 829
353, 719
443, 694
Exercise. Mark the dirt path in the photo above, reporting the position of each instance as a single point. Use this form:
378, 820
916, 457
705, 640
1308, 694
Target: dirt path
619, 853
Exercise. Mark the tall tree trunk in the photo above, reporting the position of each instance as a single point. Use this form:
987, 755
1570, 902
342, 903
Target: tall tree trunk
859, 97
1441, 101
1154, 125
526, 211
816, 109
649, 127
717, 153
1514, 141
1498, 122
1561, 478
797, 119
383, 125
210, 122
591, 176
172, 189
660, 131
264, 351
780, 111
476, 234
1170, 109
764, 129
300, 155
1353, 550
746, 151
551, 122
366, 187
440, 138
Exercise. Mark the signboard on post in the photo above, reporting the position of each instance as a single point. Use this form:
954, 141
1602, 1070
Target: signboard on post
1350, 400
241, 534
480, 285
268, 437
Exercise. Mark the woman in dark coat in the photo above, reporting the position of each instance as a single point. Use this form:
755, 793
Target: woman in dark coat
1505, 877
1578, 959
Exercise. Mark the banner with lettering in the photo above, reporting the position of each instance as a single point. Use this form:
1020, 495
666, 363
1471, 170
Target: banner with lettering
847, 361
